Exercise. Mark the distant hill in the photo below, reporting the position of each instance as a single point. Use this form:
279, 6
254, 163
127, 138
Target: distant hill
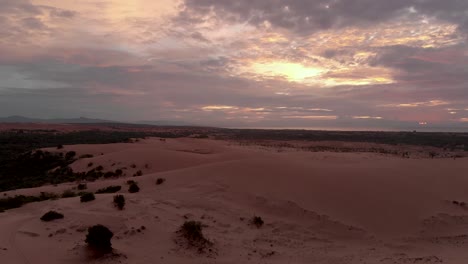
165, 123
80, 120
85, 120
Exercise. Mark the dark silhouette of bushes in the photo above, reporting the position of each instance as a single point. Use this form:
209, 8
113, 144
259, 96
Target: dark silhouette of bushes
110, 189
133, 188
87, 197
19, 200
109, 174
82, 186
130, 182
257, 221
160, 181
51, 215
138, 173
119, 201
68, 194
118, 172
23, 167
99, 238
192, 231
70, 155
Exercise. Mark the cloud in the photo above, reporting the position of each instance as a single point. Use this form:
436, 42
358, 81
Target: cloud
235, 63
305, 16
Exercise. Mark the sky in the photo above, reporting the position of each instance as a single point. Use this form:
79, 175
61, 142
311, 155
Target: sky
244, 63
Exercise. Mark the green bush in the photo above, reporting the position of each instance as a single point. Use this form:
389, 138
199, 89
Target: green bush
87, 197
119, 201
51, 215
133, 188
99, 238
110, 189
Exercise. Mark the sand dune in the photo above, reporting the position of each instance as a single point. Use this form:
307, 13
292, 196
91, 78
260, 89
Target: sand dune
318, 207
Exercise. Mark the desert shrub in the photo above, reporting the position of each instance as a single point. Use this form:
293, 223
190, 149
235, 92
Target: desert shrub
133, 166
87, 197
68, 194
109, 174
90, 164
192, 231
160, 181
99, 238
70, 155
60, 146
138, 173
130, 182
82, 186
48, 196
18, 200
99, 168
118, 172
133, 188
257, 221
86, 156
110, 189
119, 201
51, 215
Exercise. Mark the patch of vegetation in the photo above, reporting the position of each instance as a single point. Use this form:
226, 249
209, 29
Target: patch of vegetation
130, 182
119, 201
90, 164
21, 166
99, 238
68, 194
160, 181
133, 188
110, 189
447, 140
87, 197
257, 221
192, 232
51, 215
82, 186
138, 173
86, 156
118, 172
19, 200
109, 174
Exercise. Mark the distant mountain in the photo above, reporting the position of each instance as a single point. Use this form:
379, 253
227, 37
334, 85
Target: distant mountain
85, 120
165, 123
81, 120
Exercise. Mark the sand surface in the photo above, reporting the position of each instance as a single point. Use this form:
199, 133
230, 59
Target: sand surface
318, 207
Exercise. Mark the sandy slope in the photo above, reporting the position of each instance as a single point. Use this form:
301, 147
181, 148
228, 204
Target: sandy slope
318, 207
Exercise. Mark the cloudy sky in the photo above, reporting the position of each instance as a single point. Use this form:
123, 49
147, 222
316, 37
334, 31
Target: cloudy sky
257, 63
